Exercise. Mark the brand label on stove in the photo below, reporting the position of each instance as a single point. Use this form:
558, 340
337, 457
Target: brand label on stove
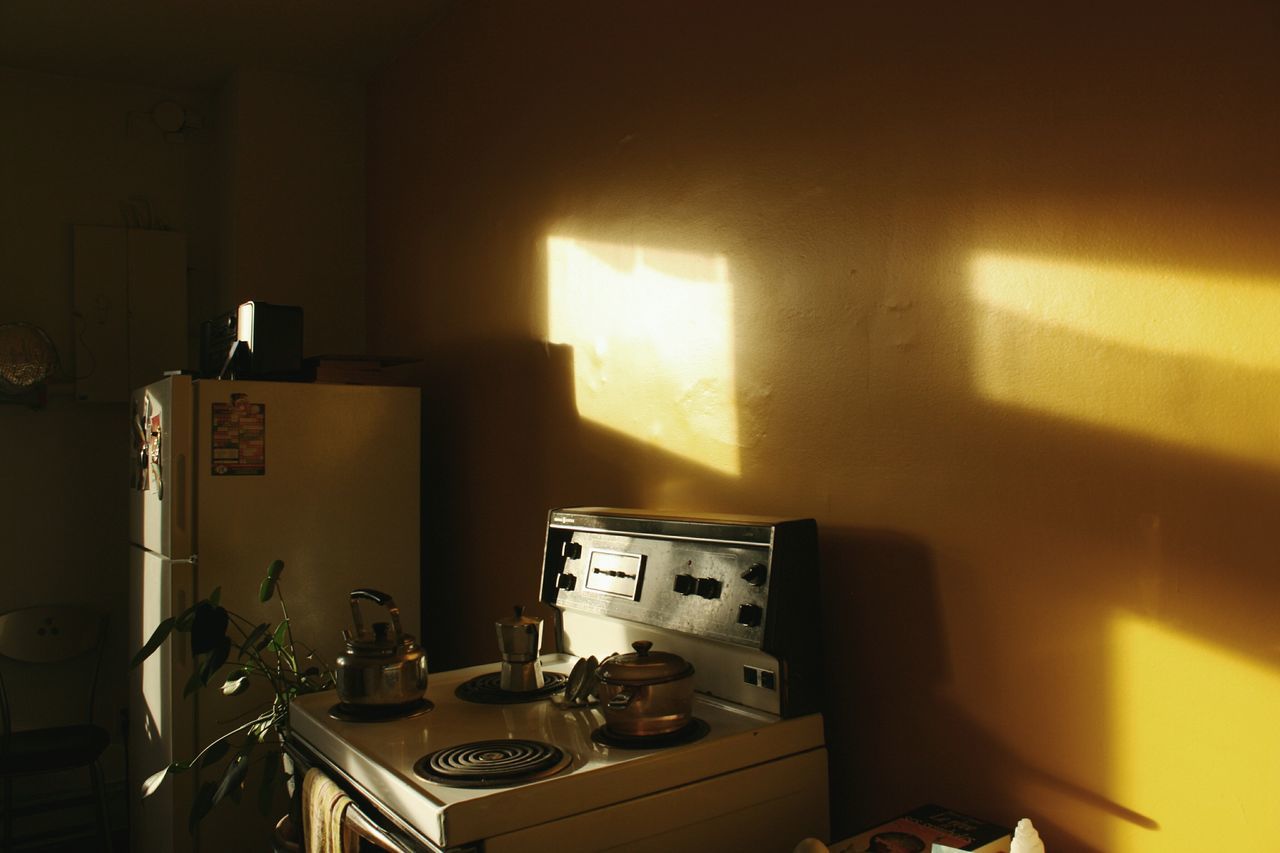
616, 573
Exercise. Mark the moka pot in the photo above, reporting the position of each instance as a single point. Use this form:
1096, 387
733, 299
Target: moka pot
520, 640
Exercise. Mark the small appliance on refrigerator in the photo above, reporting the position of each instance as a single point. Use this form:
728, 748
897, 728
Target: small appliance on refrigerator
226, 477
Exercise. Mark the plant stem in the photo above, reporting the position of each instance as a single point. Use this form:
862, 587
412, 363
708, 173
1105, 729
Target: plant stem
223, 737
289, 626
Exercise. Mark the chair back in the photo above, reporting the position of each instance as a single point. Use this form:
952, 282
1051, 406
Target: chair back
39, 637
50, 634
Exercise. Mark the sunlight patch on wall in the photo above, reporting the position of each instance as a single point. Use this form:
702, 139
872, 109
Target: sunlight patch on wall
1180, 357
1193, 741
652, 338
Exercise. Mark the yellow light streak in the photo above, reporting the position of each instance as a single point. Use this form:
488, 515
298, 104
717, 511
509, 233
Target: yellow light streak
652, 335
1185, 358
1193, 741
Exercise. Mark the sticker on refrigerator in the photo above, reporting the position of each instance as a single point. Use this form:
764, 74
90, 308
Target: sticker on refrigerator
239, 437
153, 458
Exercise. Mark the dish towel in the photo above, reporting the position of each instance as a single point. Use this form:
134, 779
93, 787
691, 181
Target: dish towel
323, 807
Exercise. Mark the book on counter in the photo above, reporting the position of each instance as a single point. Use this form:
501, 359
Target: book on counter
931, 829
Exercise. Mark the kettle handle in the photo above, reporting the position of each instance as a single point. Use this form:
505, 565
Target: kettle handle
379, 598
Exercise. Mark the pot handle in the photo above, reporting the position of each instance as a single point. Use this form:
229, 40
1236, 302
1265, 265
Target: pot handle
621, 699
379, 598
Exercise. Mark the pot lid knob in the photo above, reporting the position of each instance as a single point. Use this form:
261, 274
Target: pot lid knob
644, 666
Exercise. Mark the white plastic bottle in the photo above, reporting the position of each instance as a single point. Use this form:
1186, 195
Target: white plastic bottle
1026, 839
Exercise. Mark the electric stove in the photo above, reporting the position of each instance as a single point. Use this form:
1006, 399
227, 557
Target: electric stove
735, 596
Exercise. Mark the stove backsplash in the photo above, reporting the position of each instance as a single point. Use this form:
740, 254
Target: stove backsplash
737, 596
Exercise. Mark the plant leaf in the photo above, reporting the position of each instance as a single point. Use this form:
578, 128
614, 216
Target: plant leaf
215, 596
254, 636
194, 683
200, 805
216, 658
236, 683
236, 769
268, 586
185, 618
277, 639
209, 626
157, 637
215, 753
155, 780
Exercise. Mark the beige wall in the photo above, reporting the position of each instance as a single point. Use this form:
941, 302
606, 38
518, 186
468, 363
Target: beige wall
291, 204
1000, 289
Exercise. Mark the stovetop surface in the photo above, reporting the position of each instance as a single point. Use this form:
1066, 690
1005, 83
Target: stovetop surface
378, 757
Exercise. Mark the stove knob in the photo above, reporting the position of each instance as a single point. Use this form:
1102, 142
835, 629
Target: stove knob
756, 574
567, 581
749, 615
571, 550
685, 584
708, 587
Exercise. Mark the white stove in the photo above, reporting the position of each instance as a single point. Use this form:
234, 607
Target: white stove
752, 771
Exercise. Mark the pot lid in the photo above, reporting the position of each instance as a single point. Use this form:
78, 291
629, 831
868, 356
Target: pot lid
644, 666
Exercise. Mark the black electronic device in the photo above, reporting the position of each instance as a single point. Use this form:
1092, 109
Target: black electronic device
257, 340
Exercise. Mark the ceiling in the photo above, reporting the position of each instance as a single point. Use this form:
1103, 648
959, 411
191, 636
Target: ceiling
194, 44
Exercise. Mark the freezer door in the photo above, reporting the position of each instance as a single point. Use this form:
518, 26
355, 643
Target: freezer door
160, 496
161, 722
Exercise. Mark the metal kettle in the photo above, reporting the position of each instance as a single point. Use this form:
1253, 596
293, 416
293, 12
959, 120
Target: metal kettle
381, 667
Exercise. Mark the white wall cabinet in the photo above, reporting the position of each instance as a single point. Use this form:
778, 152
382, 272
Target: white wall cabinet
130, 309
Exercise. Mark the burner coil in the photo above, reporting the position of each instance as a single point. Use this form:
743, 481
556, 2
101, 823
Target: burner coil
486, 689
491, 763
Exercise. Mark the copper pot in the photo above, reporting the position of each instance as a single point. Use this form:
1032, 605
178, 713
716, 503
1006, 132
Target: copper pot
646, 693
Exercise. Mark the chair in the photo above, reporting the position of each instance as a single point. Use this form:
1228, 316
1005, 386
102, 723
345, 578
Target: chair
40, 644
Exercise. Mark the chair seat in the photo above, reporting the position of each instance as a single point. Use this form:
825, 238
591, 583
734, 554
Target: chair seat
52, 749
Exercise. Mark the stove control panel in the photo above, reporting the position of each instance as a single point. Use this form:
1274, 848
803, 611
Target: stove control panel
693, 588
749, 583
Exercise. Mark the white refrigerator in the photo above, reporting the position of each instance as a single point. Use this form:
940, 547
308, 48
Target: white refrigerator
227, 476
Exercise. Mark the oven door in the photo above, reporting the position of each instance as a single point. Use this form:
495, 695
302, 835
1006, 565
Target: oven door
366, 826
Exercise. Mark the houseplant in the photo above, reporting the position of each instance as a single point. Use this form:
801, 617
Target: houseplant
237, 653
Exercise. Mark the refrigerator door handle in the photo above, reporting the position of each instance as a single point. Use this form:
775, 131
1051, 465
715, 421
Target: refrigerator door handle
180, 491
181, 604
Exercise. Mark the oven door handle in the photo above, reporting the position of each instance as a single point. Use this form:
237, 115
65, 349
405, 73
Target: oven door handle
357, 825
